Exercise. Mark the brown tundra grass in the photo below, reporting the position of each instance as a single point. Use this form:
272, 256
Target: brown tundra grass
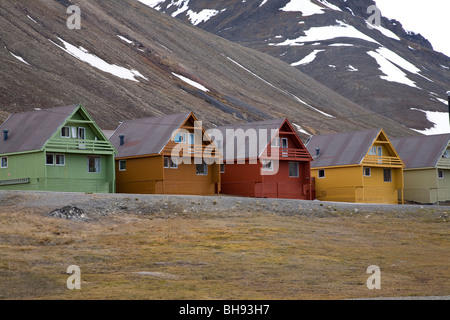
222, 256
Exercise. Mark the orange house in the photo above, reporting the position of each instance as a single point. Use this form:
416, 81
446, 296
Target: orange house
165, 155
263, 159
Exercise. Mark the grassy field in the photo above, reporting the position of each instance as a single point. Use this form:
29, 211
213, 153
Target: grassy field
220, 255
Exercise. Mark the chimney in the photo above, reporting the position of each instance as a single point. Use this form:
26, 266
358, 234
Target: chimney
5, 134
317, 152
122, 139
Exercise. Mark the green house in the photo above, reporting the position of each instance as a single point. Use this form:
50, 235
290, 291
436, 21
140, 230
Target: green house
55, 149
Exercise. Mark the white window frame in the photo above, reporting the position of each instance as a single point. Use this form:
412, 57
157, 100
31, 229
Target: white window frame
120, 167
169, 164
318, 173
266, 166
1, 163
446, 154
56, 157
53, 159
364, 172
439, 175
282, 143
204, 169
68, 128
298, 169
99, 164
373, 151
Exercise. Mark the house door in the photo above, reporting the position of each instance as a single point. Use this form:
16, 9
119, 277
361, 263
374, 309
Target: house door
284, 147
81, 138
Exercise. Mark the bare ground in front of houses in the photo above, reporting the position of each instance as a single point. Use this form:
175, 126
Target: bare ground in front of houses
182, 247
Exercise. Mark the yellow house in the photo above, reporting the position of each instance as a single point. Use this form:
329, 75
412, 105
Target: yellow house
361, 167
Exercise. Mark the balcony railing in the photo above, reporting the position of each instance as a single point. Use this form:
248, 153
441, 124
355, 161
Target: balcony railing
382, 161
192, 150
288, 153
79, 145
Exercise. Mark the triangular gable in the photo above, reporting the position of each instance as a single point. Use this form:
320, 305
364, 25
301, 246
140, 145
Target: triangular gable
287, 127
81, 114
384, 140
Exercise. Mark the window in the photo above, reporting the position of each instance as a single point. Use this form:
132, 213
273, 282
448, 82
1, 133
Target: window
60, 160
380, 151
284, 143
267, 165
82, 133
446, 154
293, 169
168, 163
4, 163
201, 169
373, 151
65, 132
180, 137
387, 175
440, 174
276, 142
50, 159
366, 172
93, 164
321, 173
222, 168
122, 165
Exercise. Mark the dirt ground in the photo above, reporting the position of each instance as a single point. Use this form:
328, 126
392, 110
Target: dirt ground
187, 247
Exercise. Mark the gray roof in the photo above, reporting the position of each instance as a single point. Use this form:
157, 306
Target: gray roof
345, 148
241, 149
421, 151
146, 136
29, 131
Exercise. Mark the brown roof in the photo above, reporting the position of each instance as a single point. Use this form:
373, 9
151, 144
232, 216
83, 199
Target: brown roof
421, 151
228, 133
146, 136
31, 130
345, 148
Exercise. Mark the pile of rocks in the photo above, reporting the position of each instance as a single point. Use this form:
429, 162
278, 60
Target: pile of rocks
69, 213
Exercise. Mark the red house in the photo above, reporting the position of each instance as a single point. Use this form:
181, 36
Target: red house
263, 159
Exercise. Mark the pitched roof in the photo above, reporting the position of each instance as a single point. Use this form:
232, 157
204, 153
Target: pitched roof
340, 149
421, 151
31, 130
146, 136
240, 150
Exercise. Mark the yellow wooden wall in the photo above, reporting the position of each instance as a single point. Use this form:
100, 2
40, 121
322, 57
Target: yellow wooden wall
347, 184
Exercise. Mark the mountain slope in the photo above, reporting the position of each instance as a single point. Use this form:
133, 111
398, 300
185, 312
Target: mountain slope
130, 61
384, 69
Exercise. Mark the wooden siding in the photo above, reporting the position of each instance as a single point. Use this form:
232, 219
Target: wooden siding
147, 175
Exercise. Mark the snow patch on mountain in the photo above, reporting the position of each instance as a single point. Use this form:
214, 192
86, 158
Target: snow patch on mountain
82, 54
314, 34
19, 58
391, 72
191, 82
308, 8
440, 120
308, 59
198, 17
